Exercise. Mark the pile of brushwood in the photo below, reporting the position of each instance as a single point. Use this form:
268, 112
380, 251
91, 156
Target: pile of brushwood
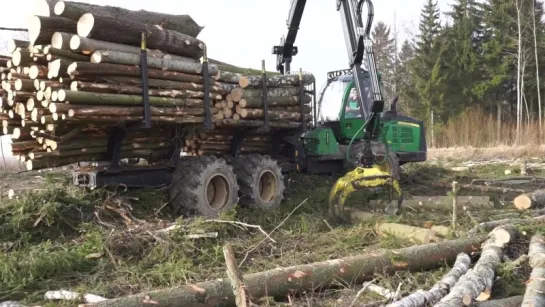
80, 73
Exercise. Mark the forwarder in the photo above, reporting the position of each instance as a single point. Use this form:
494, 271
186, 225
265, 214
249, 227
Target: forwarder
350, 131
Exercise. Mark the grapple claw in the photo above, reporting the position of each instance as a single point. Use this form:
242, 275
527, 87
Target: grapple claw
364, 178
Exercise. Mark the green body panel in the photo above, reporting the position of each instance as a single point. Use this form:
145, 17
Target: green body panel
399, 135
320, 142
402, 136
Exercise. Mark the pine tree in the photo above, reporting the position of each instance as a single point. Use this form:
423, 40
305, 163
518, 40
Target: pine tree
384, 50
408, 97
426, 65
462, 59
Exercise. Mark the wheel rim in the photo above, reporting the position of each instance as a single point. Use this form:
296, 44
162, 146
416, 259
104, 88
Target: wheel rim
217, 192
268, 186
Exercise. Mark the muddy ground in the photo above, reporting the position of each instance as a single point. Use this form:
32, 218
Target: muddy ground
110, 242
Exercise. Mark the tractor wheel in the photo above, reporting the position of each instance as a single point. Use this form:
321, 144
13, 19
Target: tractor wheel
204, 186
392, 161
261, 181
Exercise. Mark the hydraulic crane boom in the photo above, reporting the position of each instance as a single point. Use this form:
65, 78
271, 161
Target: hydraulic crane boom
286, 50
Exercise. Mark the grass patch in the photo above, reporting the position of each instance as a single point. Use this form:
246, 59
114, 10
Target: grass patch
106, 242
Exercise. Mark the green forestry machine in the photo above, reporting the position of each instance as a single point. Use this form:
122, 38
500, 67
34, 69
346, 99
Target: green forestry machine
350, 133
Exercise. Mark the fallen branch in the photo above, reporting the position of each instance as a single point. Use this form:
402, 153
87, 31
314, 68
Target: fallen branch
476, 284
281, 281
362, 290
235, 276
244, 225
387, 294
478, 188
440, 289
534, 295
73, 296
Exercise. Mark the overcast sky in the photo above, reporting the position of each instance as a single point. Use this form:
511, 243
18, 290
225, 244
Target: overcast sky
243, 32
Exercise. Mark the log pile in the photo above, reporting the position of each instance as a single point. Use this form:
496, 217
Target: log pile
79, 75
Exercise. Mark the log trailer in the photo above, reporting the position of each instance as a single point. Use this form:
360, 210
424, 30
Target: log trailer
349, 132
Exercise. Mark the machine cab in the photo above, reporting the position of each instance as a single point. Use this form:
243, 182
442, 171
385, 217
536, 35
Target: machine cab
339, 106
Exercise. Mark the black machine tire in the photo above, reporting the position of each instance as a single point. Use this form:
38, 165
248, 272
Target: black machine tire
204, 186
379, 150
260, 180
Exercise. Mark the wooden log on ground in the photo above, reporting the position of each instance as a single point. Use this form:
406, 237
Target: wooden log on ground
128, 31
478, 281
478, 188
180, 23
41, 29
513, 301
235, 276
414, 234
295, 279
487, 226
531, 200
441, 203
125, 58
534, 294
440, 289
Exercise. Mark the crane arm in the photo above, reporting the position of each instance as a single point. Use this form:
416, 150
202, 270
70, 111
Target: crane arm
286, 50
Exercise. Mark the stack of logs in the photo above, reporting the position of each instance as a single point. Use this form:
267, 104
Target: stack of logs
79, 75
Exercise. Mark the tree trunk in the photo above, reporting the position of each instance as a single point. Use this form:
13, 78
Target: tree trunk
180, 23
257, 123
41, 29
24, 85
281, 281
480, 278
414, 234
21, 57
62, 40
274, 81
88, 46
237, 282
534, 295
43, 8
273, 101
91, 69
513, 301
66, 54
184, 90
259, 113
272, 92
128, 31
487, 226
17, 43
38, 72
532, 200
440, 203
75, 97
124, 111
440, 289
188, 66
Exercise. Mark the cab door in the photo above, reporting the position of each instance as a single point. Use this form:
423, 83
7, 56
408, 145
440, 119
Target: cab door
351, 119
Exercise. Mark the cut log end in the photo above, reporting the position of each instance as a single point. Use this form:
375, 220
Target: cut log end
85, 24
34, 27
96, 57
57, 40
75, 42
59, 8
